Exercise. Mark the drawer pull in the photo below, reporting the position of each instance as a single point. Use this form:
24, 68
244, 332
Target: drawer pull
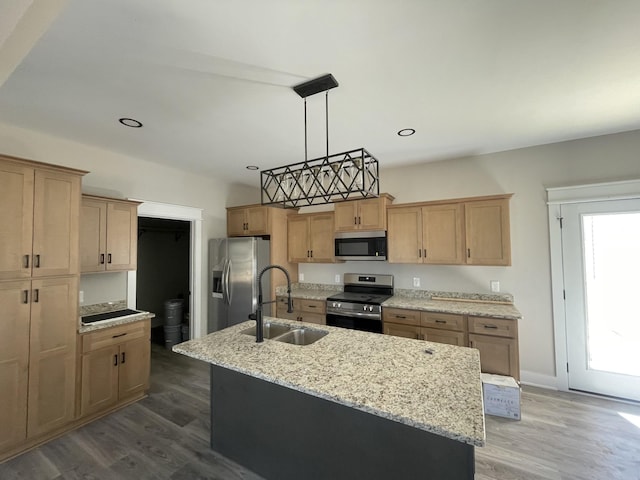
400, 316
441, 321
119, 335
491, 326
312, 306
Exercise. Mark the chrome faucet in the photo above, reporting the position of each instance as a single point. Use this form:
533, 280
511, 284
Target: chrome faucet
258, 315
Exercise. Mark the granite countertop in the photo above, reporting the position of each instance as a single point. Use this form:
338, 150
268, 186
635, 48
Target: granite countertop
387, 376
112, 322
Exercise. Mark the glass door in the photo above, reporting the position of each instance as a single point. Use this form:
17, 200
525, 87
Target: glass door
601, 264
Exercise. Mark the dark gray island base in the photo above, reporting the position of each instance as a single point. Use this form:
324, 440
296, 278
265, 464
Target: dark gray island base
282, 434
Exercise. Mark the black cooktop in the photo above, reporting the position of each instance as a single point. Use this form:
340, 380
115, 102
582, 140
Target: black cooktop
107, 316
368, 298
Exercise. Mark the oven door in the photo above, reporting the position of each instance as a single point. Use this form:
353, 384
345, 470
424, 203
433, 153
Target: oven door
356, 322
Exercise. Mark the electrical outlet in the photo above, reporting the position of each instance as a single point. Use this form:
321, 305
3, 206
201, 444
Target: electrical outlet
337, 278
416, 281
495, 286
81, 296
301, 277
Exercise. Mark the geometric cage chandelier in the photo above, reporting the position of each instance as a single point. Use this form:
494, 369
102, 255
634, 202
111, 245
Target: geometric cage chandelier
328, 179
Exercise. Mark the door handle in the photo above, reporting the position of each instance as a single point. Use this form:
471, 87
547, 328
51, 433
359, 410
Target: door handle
115, 360
102, 259
227, 283
122, 359
26, 261
109, 258
25, 296
37, 261
36, 295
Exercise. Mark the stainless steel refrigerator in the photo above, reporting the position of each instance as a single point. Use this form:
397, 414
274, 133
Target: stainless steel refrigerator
234, 265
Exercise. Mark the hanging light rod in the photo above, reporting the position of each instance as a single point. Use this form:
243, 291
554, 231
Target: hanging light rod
316, 85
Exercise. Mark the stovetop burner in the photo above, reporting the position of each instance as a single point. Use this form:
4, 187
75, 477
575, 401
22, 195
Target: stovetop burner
365, 289
367, 298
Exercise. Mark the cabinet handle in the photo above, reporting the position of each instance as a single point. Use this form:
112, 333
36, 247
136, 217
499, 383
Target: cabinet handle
311, 251
355, 220
115, 360
425, 253
441, 321
37, 261
119, 335
307, 253
102, 259
359, 220
420, 253
26, 261
468, 253
400, 316
36, 295
122, 359
491, 326
109, 258
312, 306
25, 296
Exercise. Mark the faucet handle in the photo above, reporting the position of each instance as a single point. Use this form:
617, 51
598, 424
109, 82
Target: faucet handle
253, 316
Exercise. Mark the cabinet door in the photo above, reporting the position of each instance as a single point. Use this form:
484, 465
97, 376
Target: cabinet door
346, 216
316, 318
93, 235
321, 238
257, 221
442, 234
443, 336
298, 238
404, 236
498, 355
14, 361
236, 222
133, 375
99, 380
16, 220
406, 331
122, 236
56, 213
372, 214
52, 358
487, 232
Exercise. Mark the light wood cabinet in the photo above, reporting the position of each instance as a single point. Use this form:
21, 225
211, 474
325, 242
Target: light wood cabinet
115, 366
430, 234
310, 238
487, 232
108, 234
248, 221
497, 340
369, 214
39, 218
455, 232
310, 311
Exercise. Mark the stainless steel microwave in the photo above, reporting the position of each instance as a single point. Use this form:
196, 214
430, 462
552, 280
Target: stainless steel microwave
361, 245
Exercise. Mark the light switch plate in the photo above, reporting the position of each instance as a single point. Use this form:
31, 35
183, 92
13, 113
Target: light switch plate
416, 281
81, 296
495, 286
337, 278
301, 277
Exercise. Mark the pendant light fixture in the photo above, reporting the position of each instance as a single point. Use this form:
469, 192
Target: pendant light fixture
332, 178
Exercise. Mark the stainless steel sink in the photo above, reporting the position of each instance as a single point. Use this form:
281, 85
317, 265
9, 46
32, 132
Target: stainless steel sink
301, 336
269, 330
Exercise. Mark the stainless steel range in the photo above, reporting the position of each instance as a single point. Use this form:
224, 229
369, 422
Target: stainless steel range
359, 306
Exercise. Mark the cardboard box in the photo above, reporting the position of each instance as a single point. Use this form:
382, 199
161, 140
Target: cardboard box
501, 396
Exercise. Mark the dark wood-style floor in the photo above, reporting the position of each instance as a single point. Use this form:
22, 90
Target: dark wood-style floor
166, 436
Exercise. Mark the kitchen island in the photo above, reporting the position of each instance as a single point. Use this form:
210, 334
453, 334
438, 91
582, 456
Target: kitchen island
351, 405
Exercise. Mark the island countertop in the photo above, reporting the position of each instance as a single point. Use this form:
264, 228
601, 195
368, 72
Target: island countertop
391, 377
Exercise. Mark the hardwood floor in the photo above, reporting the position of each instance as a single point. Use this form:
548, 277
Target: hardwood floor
562, 436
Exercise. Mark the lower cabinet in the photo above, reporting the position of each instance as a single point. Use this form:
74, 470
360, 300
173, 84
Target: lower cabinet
495, 338
115, 366
310, 311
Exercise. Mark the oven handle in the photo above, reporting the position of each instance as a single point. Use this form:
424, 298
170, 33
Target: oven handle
372, 316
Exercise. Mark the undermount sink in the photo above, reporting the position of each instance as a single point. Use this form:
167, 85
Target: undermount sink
287, 334
269, 330
301, 336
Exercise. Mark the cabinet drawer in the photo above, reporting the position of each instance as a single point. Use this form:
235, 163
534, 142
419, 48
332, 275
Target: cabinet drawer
443, 336
445, 321
499, 327
114, 335
401, 316
311, 306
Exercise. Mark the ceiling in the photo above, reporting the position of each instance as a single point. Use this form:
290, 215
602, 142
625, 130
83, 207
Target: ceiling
211, 79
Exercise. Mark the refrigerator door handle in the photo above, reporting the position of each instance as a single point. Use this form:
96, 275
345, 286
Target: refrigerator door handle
225, 298
227, 283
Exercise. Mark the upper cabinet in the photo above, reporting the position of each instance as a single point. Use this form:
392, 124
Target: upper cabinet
108, 234
369, 214
39, 217
310, 238
456, 232
248, 221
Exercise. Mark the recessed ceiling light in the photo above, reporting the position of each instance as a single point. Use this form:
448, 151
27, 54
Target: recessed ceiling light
252, 167
130, 122
407, 132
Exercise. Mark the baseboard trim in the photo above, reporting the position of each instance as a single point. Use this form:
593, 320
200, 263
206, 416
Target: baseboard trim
538, 380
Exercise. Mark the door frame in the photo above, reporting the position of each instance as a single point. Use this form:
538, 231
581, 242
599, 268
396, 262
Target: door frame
556, 197
193, 215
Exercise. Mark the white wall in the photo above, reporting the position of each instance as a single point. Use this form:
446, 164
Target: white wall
119, 176
525, 173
